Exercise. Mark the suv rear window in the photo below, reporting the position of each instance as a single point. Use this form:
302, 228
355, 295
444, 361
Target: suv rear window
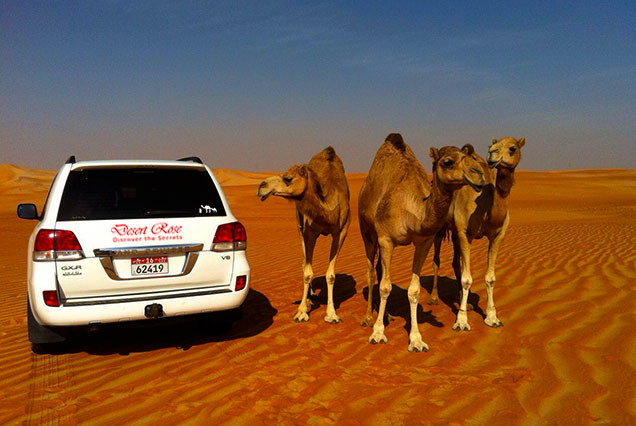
138, 193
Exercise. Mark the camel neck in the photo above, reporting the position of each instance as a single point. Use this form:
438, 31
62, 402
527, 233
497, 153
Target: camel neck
437, 204
310, 202
505, 181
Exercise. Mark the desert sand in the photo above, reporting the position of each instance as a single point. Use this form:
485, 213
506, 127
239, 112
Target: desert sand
566, 278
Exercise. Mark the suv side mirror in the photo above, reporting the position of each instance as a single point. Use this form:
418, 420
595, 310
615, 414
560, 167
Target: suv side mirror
28, 211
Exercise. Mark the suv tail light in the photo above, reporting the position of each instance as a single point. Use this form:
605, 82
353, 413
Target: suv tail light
241, 282
56, 245
230, 236
50, 298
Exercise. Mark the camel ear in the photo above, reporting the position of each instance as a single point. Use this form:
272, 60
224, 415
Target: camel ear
468, 149
494, 141
521, 142
434, 153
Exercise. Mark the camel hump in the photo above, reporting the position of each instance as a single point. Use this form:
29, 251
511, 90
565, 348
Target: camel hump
328, 174
330, 153
397, 141
327, 155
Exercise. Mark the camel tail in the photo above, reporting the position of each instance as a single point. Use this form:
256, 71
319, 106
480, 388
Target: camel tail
444, 233
397, 141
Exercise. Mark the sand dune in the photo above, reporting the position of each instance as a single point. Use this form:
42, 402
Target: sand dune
20, 180
565, 292
230, 177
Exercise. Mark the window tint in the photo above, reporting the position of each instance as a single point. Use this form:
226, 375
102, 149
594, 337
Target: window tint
137, 193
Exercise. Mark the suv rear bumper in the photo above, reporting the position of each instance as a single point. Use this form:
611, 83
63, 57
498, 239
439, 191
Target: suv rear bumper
77, 312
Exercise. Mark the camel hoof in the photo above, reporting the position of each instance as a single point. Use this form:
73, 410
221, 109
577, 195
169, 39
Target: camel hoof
493, 324
491, 319
301, 317
333, 319
418, 347
433, 301
461, 326
378, 338
367, 321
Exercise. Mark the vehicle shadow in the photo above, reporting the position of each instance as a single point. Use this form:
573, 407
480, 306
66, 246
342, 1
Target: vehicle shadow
255, 316
397, 305
449, 291
344, 288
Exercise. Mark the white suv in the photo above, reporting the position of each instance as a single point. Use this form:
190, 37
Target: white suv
128, 240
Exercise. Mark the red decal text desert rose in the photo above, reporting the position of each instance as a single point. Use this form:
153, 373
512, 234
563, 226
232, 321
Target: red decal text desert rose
124, 230
160, 228
164, 229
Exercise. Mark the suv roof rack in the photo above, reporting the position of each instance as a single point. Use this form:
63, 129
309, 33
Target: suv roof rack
194, 159
70, 160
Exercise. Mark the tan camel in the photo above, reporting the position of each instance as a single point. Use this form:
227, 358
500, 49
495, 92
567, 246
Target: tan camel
321, 194
398, 206
473, 216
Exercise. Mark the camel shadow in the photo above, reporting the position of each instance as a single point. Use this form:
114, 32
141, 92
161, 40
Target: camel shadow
397, 305
449, 291
255, 316
344, 288
400, 306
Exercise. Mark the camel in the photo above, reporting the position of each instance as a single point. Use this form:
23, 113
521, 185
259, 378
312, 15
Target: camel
399, 206
474, 216
321, 194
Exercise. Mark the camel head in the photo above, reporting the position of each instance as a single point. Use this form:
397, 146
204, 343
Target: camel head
291, 184
456, 167
505, 153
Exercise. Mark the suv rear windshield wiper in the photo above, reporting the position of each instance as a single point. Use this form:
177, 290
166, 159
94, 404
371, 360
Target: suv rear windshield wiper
152, 213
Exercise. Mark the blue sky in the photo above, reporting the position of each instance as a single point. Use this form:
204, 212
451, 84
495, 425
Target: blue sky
255, 85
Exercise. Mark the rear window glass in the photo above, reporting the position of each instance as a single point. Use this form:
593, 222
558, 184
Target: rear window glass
137, 193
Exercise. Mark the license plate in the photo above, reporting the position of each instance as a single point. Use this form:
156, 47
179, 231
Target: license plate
149, 265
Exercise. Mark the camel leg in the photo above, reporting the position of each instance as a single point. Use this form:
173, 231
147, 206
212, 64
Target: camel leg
336, 244
493, 248
456, 258
386, 252
457, 268
415, 338
308, 243
466, 279
434, 299
370, 249
301, 226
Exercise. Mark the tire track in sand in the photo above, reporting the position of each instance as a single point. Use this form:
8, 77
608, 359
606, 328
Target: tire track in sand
49, 391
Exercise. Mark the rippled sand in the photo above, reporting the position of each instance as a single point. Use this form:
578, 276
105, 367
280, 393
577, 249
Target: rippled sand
565, 292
